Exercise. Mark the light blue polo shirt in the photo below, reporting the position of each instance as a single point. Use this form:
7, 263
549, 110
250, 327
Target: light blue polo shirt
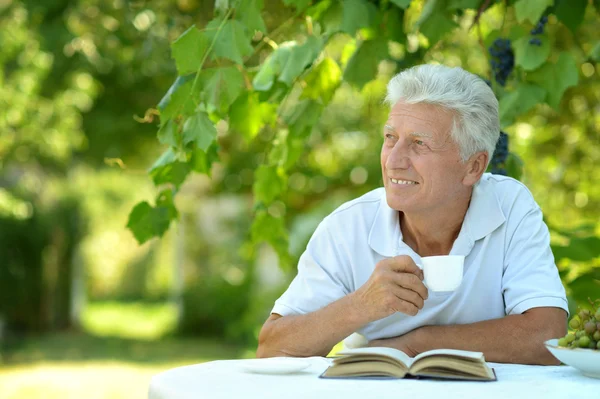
509, 267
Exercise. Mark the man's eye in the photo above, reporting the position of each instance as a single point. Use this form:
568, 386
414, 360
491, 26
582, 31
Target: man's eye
419, 142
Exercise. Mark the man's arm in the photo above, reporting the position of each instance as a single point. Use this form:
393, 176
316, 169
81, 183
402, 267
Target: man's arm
394, 286
511, 339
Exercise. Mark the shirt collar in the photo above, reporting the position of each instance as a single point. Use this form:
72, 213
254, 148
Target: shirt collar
482, 218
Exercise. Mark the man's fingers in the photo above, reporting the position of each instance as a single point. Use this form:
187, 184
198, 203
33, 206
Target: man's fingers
411, 282
410, 296
404, 263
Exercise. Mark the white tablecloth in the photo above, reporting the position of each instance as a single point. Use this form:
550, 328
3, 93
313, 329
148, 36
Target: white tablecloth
224, 379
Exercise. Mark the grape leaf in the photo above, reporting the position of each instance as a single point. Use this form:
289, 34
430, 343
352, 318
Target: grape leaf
300, 57
188, 50
202, 161
436, 26
357, 14
556, 78
146, 222
169, 134
248, 115
199, 130
168, 169
570, 12
322, 81
221, 86
530, 56
463, 4
402, 3
263, 81
268, 185
595, 52
394, 25
178, 99
248, 13
331, 19
303, 117
518, 102
531, 10
272, 230
362, 67
231, 42
300, 4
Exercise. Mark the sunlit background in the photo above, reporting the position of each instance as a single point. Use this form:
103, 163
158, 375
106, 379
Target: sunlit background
86, 312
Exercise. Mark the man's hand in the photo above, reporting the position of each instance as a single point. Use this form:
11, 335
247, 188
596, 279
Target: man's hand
396, 285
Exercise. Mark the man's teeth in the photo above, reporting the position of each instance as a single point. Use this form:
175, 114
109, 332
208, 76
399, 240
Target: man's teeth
402, 181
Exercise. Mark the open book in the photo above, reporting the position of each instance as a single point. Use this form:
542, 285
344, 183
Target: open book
393, 363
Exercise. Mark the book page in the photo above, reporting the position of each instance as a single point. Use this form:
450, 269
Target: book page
477, 356
380, 351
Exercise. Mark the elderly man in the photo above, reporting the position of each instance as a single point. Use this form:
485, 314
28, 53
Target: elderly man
359, 272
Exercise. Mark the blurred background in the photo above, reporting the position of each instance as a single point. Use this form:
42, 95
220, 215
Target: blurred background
87, 312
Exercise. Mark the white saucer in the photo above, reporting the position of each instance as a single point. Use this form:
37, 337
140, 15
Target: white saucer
273, 365
585, 360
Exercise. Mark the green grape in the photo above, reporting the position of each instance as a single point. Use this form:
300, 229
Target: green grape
574, 324
596, 335
570, 338
589, 327
598, 345
592, 344
562, 342
575, 344
579, 334
584, 314
597, 315
584, 341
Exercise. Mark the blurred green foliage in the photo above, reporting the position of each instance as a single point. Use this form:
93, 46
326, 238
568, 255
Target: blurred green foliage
279, 119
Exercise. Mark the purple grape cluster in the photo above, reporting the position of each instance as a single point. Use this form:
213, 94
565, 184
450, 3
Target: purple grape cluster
502, 60
500, 154
538, 30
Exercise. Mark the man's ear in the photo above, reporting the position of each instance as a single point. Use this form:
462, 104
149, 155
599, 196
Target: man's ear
476, 166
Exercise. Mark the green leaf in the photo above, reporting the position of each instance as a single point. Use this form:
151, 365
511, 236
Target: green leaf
231, 42
322, 81
362, 67
332, 18
580, 249
146, 222
263, 81
530, 56
272, 230
268, 185
595, 52
518, 102
202, 161
514, 166
303, 117
248, 13
300, 4
436, 26
531, 10
167, 169
463, 4
248, 115
402, 3
178, 99
394, 25
357, 14
188, 50
200, 130
556, 78
570, 12
300, 57
169, 134
221, 86
584, 287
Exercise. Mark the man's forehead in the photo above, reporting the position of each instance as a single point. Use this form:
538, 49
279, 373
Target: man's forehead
416, 133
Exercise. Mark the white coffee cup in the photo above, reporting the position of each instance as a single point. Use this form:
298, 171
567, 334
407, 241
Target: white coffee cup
442, 273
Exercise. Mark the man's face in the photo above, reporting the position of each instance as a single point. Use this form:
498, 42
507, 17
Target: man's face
420, 162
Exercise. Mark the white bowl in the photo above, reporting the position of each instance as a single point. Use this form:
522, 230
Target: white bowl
585, 360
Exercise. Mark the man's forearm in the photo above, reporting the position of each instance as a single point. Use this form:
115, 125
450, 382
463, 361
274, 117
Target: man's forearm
511, 339
312, 334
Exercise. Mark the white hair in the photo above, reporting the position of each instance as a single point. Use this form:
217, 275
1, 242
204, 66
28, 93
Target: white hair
476, 123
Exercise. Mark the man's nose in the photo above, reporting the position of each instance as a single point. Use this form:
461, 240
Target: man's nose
399, 156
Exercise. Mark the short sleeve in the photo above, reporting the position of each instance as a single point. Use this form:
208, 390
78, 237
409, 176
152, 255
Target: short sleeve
531, 277
322, 277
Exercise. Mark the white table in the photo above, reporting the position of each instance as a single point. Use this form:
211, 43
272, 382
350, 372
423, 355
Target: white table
224, 379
